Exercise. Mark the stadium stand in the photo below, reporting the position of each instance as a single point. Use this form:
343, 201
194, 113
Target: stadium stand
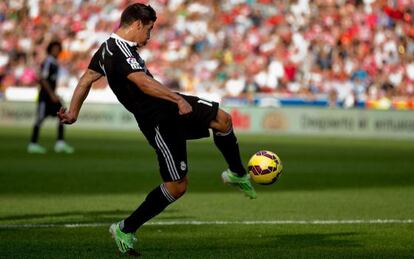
323, 52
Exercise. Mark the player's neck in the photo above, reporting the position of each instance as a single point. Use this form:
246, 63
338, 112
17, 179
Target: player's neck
125, 33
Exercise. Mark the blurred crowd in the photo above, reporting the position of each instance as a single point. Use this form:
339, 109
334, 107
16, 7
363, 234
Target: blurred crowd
348, 51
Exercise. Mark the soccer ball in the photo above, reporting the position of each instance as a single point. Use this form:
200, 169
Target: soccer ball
265, 167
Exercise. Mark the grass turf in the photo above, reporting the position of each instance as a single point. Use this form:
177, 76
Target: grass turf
110, 173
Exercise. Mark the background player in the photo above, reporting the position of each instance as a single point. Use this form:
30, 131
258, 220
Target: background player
167, 119
48, 102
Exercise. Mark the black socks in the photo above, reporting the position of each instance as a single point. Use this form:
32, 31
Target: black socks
227, 144
155, 202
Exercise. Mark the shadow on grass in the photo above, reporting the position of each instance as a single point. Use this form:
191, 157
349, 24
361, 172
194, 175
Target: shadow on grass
98, 216
318, 240
285, 245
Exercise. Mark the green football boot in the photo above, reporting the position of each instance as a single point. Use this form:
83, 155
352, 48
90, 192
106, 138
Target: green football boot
124, 241
62, 147
243, 183
34, 148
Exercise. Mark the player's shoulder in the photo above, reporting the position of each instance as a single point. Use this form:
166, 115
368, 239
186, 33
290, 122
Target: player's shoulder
109, 46
119, 49
123, 48
49, 62
50, 59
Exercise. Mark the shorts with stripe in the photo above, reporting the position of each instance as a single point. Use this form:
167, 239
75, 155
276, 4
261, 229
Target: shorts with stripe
169, 137
47, 108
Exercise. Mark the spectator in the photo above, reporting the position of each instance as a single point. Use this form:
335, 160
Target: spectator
299, 47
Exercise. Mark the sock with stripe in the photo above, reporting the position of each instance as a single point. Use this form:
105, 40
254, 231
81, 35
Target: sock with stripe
35, 134
227, 144
155, 202
60, 131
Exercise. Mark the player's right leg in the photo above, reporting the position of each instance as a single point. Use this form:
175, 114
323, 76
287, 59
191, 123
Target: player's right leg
61, 146
226, 142
34, 147
207, 114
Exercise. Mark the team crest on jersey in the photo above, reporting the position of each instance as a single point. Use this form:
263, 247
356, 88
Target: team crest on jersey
183, 166
133, 63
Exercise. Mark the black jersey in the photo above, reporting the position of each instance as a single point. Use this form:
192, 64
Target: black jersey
116, 58
48, 71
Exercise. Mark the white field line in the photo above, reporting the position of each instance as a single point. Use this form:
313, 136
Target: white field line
195, 222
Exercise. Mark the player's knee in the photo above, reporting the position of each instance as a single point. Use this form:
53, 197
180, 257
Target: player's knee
177, 188
224, 121
227, 123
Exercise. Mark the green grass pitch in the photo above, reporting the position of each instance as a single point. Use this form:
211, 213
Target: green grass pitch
329, 180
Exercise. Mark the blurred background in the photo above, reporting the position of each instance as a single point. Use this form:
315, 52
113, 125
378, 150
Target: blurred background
334, 53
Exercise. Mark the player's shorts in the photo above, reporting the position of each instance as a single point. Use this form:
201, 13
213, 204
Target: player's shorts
169, 137
47, 108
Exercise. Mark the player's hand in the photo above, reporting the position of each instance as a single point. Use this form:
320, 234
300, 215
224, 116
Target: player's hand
184, 107
66, 117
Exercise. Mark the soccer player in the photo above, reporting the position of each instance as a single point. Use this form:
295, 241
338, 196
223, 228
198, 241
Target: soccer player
48, 102
167, 119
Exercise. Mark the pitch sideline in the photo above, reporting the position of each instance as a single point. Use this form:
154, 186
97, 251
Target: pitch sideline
195, 222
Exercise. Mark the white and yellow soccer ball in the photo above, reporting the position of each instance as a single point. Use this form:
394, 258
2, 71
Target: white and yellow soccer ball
265, 167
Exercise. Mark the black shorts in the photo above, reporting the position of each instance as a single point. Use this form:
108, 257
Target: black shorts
169, 137
47, 108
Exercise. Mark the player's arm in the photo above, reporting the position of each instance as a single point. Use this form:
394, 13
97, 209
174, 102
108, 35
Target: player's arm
45, 85
79, 96
152, 87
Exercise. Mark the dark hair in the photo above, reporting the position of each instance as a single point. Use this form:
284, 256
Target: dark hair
137, 11
53, 44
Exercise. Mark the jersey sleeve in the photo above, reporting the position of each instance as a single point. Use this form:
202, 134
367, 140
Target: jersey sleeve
127, 62
95, 64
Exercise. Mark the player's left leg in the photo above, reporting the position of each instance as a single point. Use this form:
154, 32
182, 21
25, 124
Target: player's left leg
60, 146
155, 202
34, 147
170, 146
